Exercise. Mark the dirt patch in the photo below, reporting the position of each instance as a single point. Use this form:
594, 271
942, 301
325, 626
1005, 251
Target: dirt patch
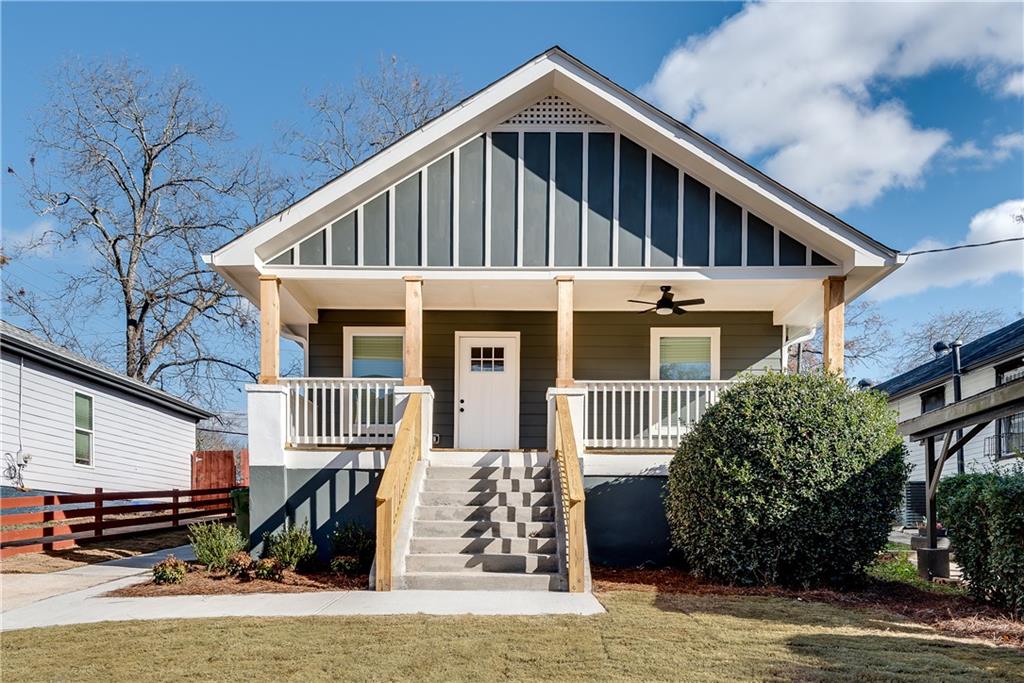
92, 551
199, 582
950, 613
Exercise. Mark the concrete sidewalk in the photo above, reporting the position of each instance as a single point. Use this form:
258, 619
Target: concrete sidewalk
74, 596
19, 590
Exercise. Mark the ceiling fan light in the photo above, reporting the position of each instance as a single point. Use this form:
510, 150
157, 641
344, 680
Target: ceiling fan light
664, 311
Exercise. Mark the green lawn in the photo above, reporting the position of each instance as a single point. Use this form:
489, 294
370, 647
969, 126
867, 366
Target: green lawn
645, 635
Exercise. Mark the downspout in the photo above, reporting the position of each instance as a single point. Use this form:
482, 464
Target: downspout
787, 343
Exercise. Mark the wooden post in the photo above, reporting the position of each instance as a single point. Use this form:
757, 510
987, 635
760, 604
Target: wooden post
835, 317
413, 347
270, 329
563, 376
176, 510
931, 521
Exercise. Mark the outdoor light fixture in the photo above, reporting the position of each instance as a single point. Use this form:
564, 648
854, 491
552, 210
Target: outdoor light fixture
954, 354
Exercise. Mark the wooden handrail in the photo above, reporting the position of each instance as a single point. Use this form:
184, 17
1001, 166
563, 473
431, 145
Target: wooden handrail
394, 487
573, 497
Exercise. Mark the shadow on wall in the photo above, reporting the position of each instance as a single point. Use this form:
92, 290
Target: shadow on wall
325, 498
626, 525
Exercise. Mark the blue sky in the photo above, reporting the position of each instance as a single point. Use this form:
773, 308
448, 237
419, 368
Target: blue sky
930, 96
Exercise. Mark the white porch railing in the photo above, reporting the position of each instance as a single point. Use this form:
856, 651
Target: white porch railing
340, 411
644, 414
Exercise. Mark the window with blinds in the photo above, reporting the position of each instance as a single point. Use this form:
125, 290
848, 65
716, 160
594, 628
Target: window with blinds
376, 355
684, 358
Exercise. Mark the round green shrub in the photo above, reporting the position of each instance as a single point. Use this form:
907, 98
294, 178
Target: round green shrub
213, 543
788, 479
292, 545
169, 570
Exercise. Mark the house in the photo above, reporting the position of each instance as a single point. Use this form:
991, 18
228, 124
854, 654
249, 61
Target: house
987, 362
552, 272
70, 425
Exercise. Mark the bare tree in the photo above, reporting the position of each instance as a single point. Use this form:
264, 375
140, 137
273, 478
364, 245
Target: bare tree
138, 175
965, 324
868, 338
349, 125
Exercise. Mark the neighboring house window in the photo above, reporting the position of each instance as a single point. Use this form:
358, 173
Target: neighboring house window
374, 351
685, 353
1009, 439
933, 399
83, 429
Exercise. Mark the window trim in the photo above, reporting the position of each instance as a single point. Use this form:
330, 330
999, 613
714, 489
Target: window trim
715, 333
1001, 370
350, 332
934, 390
91, 432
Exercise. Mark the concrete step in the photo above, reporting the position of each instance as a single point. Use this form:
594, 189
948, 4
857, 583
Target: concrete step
481, 529
482, 562
486, 498
483, 544
484, 485
494, 513
437, 472
482, 581
480, 458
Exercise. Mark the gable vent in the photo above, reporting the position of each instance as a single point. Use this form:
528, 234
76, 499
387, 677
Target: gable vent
553, 111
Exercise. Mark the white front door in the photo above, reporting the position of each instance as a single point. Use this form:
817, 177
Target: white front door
487, 390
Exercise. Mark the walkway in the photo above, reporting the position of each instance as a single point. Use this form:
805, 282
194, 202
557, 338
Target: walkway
64, 600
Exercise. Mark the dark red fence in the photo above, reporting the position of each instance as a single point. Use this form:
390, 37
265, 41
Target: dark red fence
34, 523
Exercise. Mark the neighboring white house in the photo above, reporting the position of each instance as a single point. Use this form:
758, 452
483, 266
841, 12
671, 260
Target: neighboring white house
75, 425
992, 360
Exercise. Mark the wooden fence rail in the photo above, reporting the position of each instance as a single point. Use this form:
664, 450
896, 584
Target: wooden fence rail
33, 523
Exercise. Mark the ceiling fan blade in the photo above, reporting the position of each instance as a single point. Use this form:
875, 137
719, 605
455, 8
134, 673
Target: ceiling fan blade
647, 310
635, 301
678, 310
690, 302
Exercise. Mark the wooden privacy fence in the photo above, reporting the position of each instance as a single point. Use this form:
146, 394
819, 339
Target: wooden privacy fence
217, 469
34, 523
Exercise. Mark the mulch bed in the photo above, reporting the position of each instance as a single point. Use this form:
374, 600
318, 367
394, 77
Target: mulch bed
199, 582
952, 614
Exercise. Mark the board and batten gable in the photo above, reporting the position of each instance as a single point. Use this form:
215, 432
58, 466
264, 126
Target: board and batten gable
607, 346
137, 445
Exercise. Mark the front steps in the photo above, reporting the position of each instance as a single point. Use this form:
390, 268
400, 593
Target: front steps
478, 526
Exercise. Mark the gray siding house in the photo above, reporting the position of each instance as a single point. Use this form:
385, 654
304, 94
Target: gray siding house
69, 425
553, 275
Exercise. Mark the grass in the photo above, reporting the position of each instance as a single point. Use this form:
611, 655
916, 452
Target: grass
645, 635
898, 568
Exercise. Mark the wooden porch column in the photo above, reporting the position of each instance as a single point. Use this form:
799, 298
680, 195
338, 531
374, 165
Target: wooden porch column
563, 375
270, 329
835, 320
413, 346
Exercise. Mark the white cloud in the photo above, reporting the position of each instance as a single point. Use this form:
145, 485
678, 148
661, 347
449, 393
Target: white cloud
974, 266
801, 85
1014, 84
36, 240
1002, 148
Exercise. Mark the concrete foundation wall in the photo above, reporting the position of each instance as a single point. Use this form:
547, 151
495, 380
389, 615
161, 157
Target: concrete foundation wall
626, 524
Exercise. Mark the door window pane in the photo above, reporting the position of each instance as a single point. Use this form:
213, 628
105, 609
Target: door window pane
377, 356
684, 358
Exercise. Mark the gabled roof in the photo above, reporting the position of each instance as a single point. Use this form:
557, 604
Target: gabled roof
23, 343
1002, 344
522, 85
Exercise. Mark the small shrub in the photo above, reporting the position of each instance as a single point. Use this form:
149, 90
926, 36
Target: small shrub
268, 569
240, 565
292, 546
984, 517
349, 565
788, 479
169, 570
354, 540
214, 543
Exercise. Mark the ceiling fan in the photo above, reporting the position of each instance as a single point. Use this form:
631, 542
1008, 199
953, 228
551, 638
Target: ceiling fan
665, 305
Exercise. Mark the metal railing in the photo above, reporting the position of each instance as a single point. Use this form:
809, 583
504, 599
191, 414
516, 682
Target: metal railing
645, 413
340, 411
1004, 445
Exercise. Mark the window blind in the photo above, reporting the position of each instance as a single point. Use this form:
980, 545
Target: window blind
683, 358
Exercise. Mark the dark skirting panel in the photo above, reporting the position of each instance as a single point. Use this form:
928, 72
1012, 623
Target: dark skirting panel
626, 525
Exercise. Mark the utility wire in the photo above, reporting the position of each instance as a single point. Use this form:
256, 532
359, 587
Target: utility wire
220, 431
962, 246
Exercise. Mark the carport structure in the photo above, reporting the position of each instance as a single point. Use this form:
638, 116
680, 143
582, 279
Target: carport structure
972, 414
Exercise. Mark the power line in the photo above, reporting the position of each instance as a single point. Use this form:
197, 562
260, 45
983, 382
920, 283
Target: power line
220, 431
962, 246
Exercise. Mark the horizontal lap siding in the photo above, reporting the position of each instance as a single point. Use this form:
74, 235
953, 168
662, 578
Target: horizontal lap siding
136, 445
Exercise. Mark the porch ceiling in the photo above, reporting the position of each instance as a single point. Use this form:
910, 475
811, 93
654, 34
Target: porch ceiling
301, 297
